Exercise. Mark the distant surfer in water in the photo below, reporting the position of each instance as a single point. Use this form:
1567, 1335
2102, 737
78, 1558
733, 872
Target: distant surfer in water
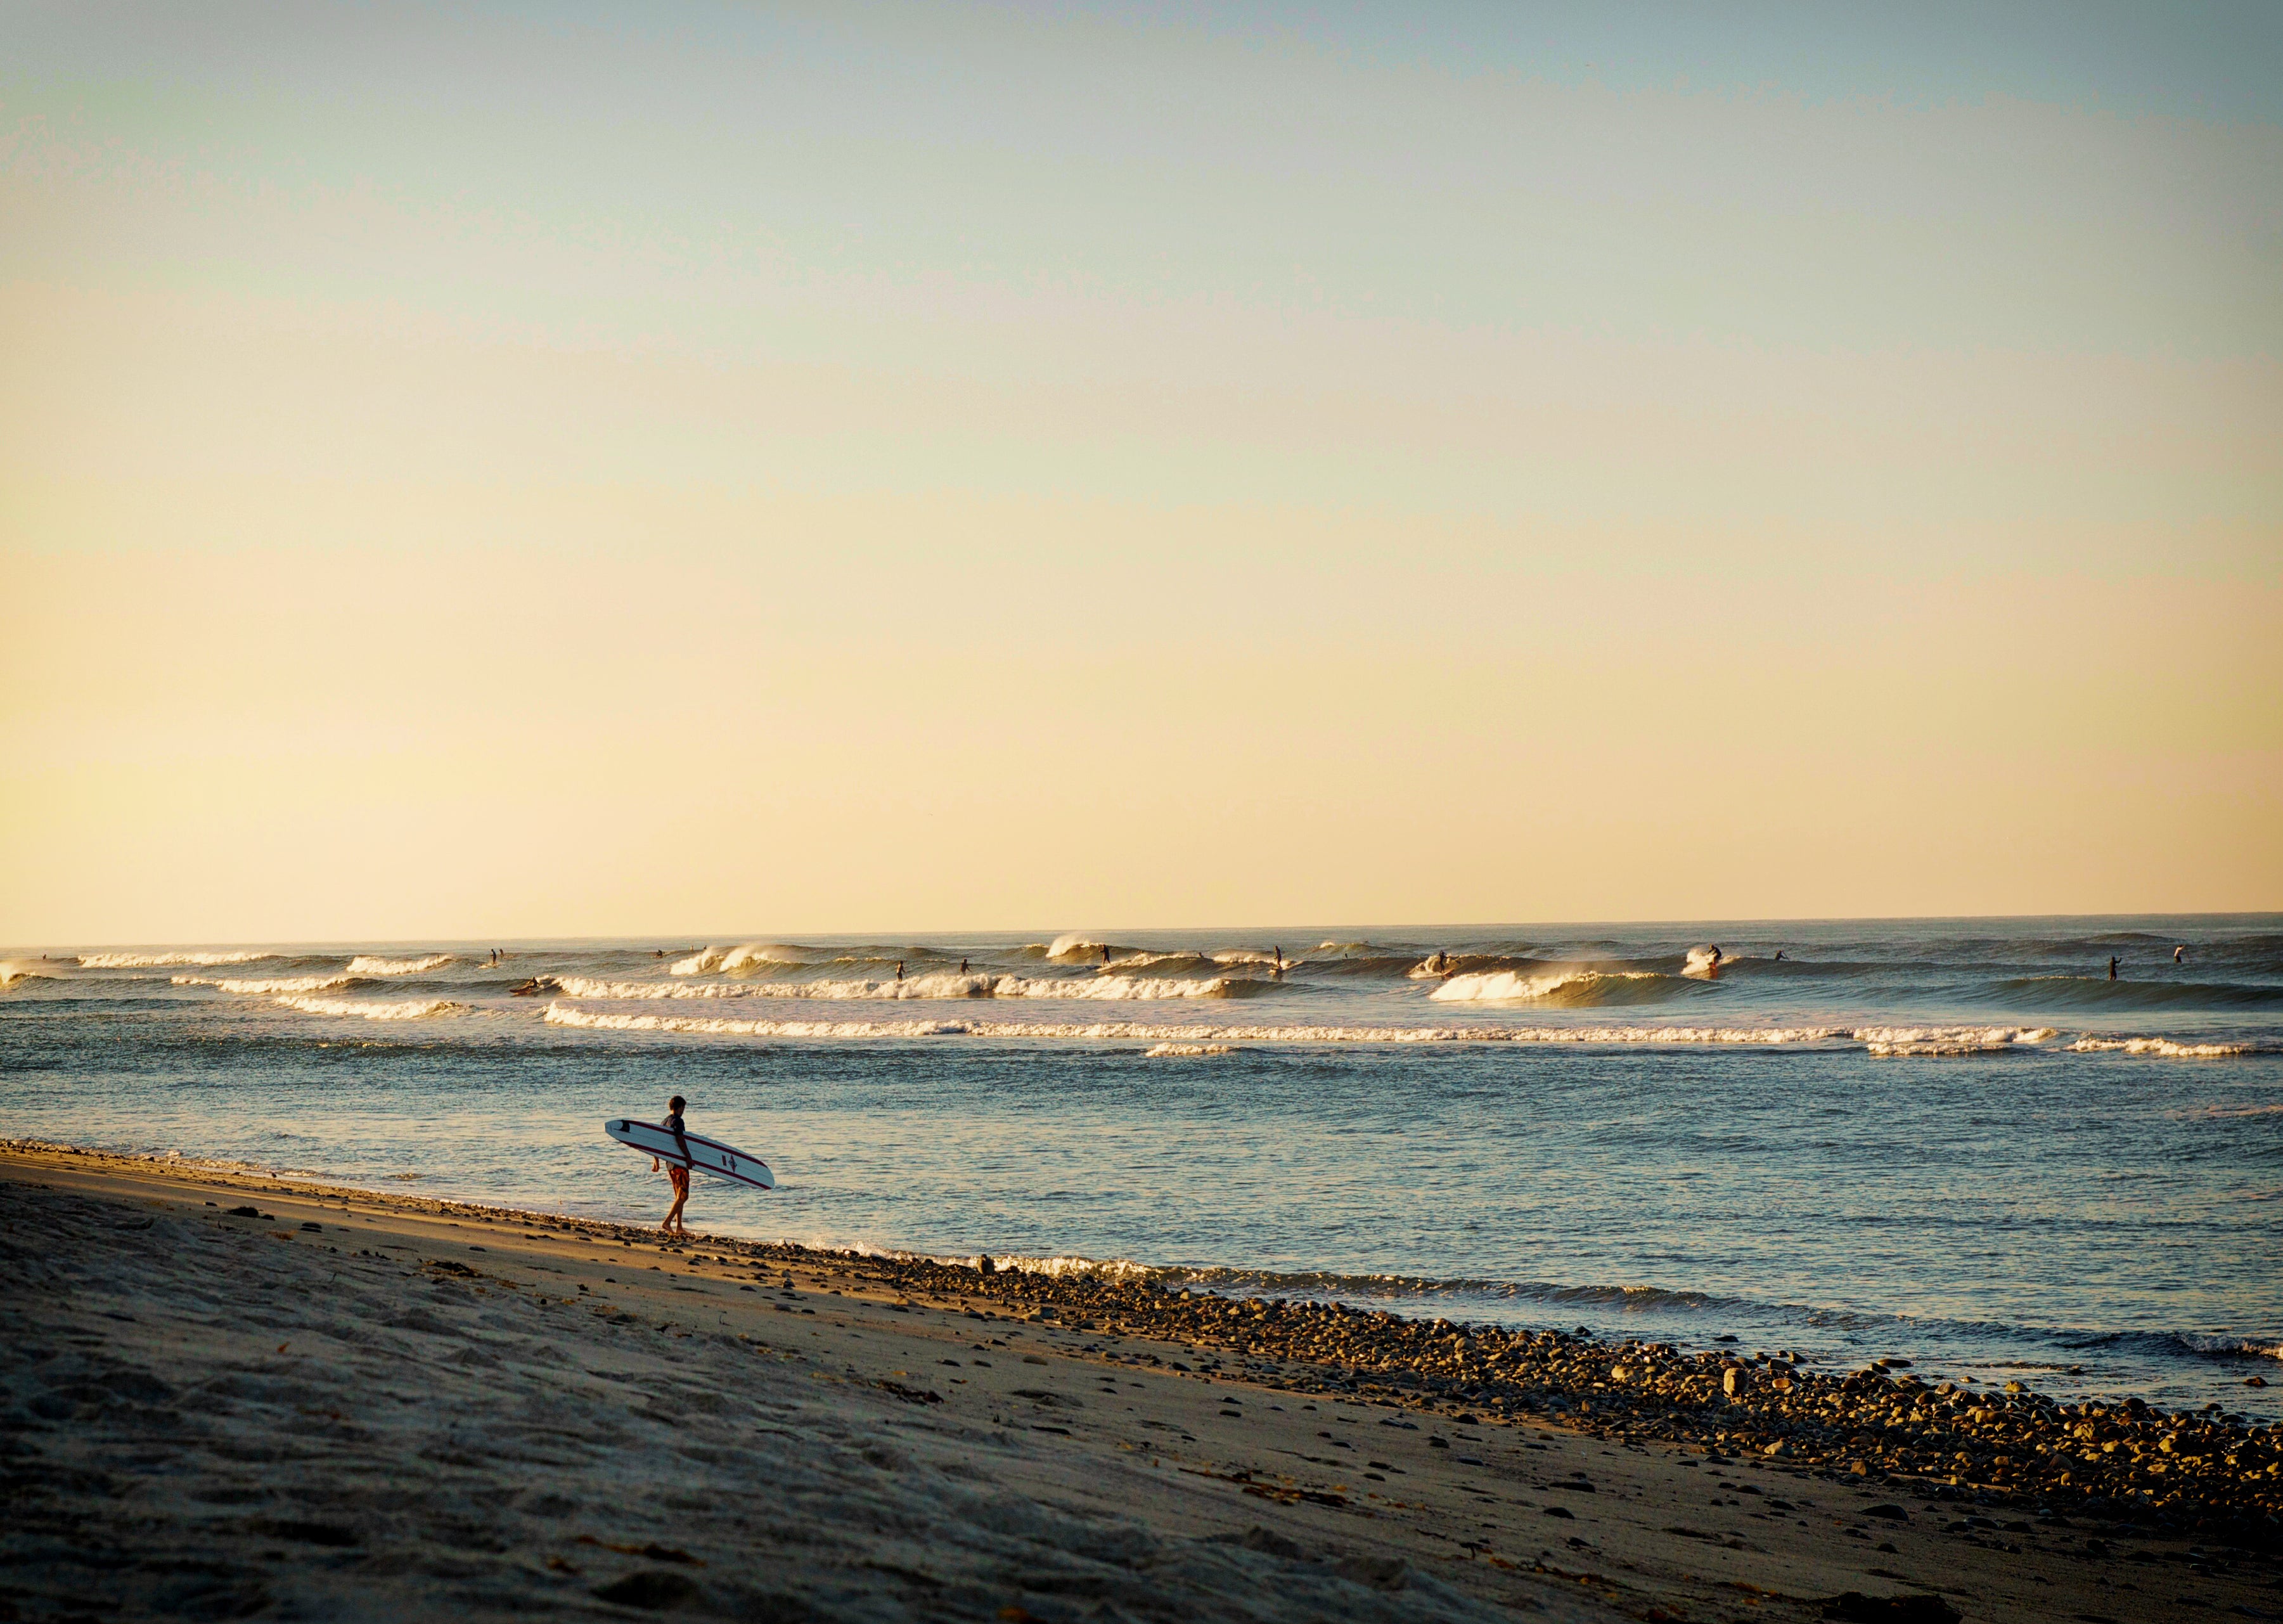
679, 1177
2180, 955
1280, 959
1105, 958
899, 973
2112, 966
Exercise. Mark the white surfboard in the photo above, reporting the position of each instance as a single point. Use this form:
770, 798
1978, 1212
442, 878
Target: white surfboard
706, 1155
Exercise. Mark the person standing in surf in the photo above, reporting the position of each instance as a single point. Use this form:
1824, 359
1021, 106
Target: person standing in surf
679, 1177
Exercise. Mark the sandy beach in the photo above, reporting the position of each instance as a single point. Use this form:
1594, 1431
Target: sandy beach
232, 1395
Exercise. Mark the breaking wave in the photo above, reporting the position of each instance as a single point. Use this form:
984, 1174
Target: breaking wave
2164, 1046
1571, 986
363, 966
1951, 1040
12, 971
1070, 946
558, 1016
2228, 1346
1155, 1033
412, 1009
1077, 950
1172, 1039
1182, 1052
274, 984
139, 961
728, 961
1109, 988
1444, 966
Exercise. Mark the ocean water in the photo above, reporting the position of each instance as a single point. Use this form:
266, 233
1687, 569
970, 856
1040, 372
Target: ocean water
1955, 1141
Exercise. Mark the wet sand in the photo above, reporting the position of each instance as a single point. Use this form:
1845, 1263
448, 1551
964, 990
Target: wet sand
348, 1405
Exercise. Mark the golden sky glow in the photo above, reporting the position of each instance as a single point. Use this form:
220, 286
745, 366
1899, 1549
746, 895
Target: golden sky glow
899, 469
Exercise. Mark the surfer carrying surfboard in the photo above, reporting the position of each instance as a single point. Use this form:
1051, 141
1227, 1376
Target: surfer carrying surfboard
677, 1176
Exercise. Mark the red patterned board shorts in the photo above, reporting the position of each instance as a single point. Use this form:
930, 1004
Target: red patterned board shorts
679, 1177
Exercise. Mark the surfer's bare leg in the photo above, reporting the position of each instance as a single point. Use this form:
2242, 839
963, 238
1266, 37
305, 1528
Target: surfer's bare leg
679, 1177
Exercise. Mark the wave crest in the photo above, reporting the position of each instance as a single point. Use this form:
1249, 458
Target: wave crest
2165, 1046
273, 984
1905, 1040
728, 961
413, 1009
1113, 1031
557, 1015
1111, 988
1072, 945
363, 966
141, 961
1572, 985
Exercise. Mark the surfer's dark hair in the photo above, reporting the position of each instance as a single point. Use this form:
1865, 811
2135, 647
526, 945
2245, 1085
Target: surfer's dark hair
677, 1102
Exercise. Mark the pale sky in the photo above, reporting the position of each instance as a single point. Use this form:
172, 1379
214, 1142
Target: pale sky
495, 472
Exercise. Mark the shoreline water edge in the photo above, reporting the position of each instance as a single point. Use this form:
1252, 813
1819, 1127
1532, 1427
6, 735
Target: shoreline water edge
1996, 1480
1957, 1141
2203, 1466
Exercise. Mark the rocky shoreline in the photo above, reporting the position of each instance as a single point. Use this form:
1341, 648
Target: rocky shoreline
251, 1394
2189, 1469
1877, 1422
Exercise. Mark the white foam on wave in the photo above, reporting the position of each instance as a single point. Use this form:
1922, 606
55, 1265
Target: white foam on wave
1071, 944
12, 971
1907, 1040
1701, 963
942, 984
728, 961
1169, 1039
2165, 1046
560, 1015
2228, 1346
273, 984
587, 987
1512, 986
1111, 1269
1153, 1032
1183, 1052
410, 1009
363, 964
1143, 961
143, 961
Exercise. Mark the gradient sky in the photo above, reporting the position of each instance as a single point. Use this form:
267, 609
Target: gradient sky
485, 470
